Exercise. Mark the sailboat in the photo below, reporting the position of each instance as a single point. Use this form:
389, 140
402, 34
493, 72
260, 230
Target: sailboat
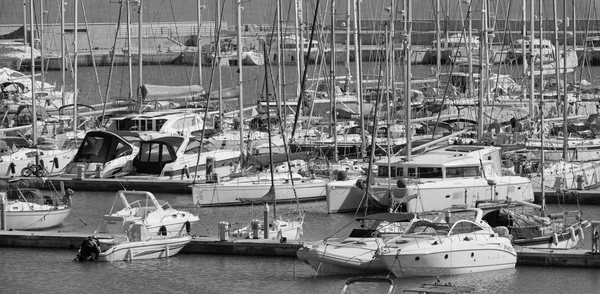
278, 228
29, 208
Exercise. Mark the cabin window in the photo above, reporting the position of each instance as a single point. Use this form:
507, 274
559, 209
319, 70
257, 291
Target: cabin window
412, 172
144, 152
126, 125
382, 171
165, 155
430, 172
464, 228
159, 124
461, 172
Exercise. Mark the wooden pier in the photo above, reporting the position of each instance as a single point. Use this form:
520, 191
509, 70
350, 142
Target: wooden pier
198, 245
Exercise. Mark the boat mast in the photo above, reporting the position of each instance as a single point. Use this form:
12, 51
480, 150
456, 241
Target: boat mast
483, 78
200, 8
41, 35
269, 132
332, 61
298, 33
129, 57
438, 45
280, 59
557, 76
532, 53
33, 86
390, 87
348, 73
408, 76
565, 98
25, 27
62, 51
217, 59
140, 55
75, 59
240, 83
524, 65
542, 155
357, 64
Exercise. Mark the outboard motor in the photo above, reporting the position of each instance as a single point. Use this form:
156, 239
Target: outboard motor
89, 250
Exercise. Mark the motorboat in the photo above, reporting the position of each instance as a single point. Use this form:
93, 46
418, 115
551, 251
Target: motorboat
16, 89
140, 228
176, 157
30, 208
102, 154
132, 244
158, 217
156, 124
433, 180
454, 175
356, 254
456, 242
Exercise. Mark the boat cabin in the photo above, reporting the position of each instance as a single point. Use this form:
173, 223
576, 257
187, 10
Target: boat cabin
158, 123
458, 161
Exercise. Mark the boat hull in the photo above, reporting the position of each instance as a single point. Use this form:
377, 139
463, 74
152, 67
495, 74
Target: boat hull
345, 196
36, 220
220, 194
429, 261
159, 248
335, 258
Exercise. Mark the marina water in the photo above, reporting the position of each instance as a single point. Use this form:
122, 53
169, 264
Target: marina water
25, 270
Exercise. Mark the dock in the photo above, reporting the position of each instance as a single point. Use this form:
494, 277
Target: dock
571, 196
198, 245
557, 257
175, 186
274, 248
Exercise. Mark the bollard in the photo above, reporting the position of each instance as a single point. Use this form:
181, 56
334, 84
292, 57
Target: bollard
223, 231
3, 204
266, 218
98, 170
254, 225
80, 172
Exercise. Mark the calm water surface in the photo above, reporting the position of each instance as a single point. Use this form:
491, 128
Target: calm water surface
25, 270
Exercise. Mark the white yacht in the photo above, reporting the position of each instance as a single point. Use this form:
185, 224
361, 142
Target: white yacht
158, 123
440, 178
456, 242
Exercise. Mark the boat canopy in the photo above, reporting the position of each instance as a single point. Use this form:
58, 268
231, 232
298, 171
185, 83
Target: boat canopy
157, 92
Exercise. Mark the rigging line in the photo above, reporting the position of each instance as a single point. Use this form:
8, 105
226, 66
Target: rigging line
452, 69
285, 143
180, 45
365, 197
303, 83
90, 45
215, 63
112, 62
486, 84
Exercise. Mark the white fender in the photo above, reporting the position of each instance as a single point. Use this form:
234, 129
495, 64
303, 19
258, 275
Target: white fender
581, 236
572, 232
555, 239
